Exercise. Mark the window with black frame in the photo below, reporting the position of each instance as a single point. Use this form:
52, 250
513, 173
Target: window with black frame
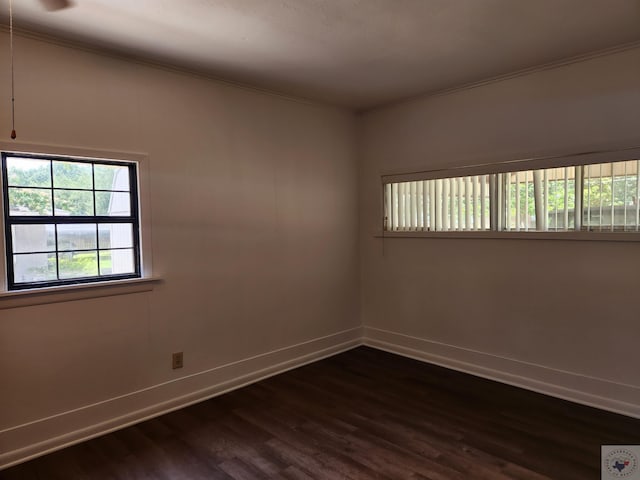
69, 220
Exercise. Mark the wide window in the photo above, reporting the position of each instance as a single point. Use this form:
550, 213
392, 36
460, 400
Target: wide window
69, 220
602, 197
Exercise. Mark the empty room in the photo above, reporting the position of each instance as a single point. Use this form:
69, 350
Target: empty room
319, 239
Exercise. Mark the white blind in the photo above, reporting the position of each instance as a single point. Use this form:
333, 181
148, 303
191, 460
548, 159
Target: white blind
600, 197
443, 204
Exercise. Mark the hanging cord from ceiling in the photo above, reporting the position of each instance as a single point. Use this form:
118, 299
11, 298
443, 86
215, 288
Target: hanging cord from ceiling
13, 99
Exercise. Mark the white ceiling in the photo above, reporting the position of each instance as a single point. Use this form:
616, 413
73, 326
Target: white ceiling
356, 53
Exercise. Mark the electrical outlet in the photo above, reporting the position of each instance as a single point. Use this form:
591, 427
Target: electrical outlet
177, 360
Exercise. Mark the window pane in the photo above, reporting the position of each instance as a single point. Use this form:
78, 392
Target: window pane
73, 203
63, 193
33, 238
115, 235
111, 177
610, 196
443, 204
113, 204
539, 200
520, 200
38, 267
558, 197
72, 175
77, 237
29, 201
78, 264
27, 172
114, 262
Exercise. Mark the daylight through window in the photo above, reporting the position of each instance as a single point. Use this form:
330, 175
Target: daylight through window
69, 220
598, 197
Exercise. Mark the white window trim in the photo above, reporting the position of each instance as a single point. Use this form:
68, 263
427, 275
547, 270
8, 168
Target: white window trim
513, 235
80, 291
36, 296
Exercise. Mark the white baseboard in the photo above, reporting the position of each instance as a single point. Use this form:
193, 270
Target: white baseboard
583, 389
30, 440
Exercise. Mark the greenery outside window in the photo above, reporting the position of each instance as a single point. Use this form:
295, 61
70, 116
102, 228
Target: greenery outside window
597, 197
69, 220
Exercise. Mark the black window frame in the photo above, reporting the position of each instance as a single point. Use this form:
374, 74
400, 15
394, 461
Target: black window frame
10, 220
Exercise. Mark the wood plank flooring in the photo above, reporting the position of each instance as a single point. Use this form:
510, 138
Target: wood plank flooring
363, 414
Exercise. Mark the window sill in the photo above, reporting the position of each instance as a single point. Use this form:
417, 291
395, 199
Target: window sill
573, 236
67, 293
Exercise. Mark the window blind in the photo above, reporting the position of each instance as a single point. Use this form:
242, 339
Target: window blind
595, 197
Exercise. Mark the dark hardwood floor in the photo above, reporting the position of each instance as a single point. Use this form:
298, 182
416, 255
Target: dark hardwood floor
359, 415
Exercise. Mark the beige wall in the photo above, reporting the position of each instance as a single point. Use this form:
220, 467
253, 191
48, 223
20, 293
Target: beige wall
254, 219
254, 234
556, 316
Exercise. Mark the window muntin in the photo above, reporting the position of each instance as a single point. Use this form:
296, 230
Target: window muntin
69, 220
604, 195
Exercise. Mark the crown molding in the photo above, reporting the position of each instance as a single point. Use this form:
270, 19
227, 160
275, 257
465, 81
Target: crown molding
506, 76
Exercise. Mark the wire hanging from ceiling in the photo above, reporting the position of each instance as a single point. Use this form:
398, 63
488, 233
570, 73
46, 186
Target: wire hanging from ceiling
13, 99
